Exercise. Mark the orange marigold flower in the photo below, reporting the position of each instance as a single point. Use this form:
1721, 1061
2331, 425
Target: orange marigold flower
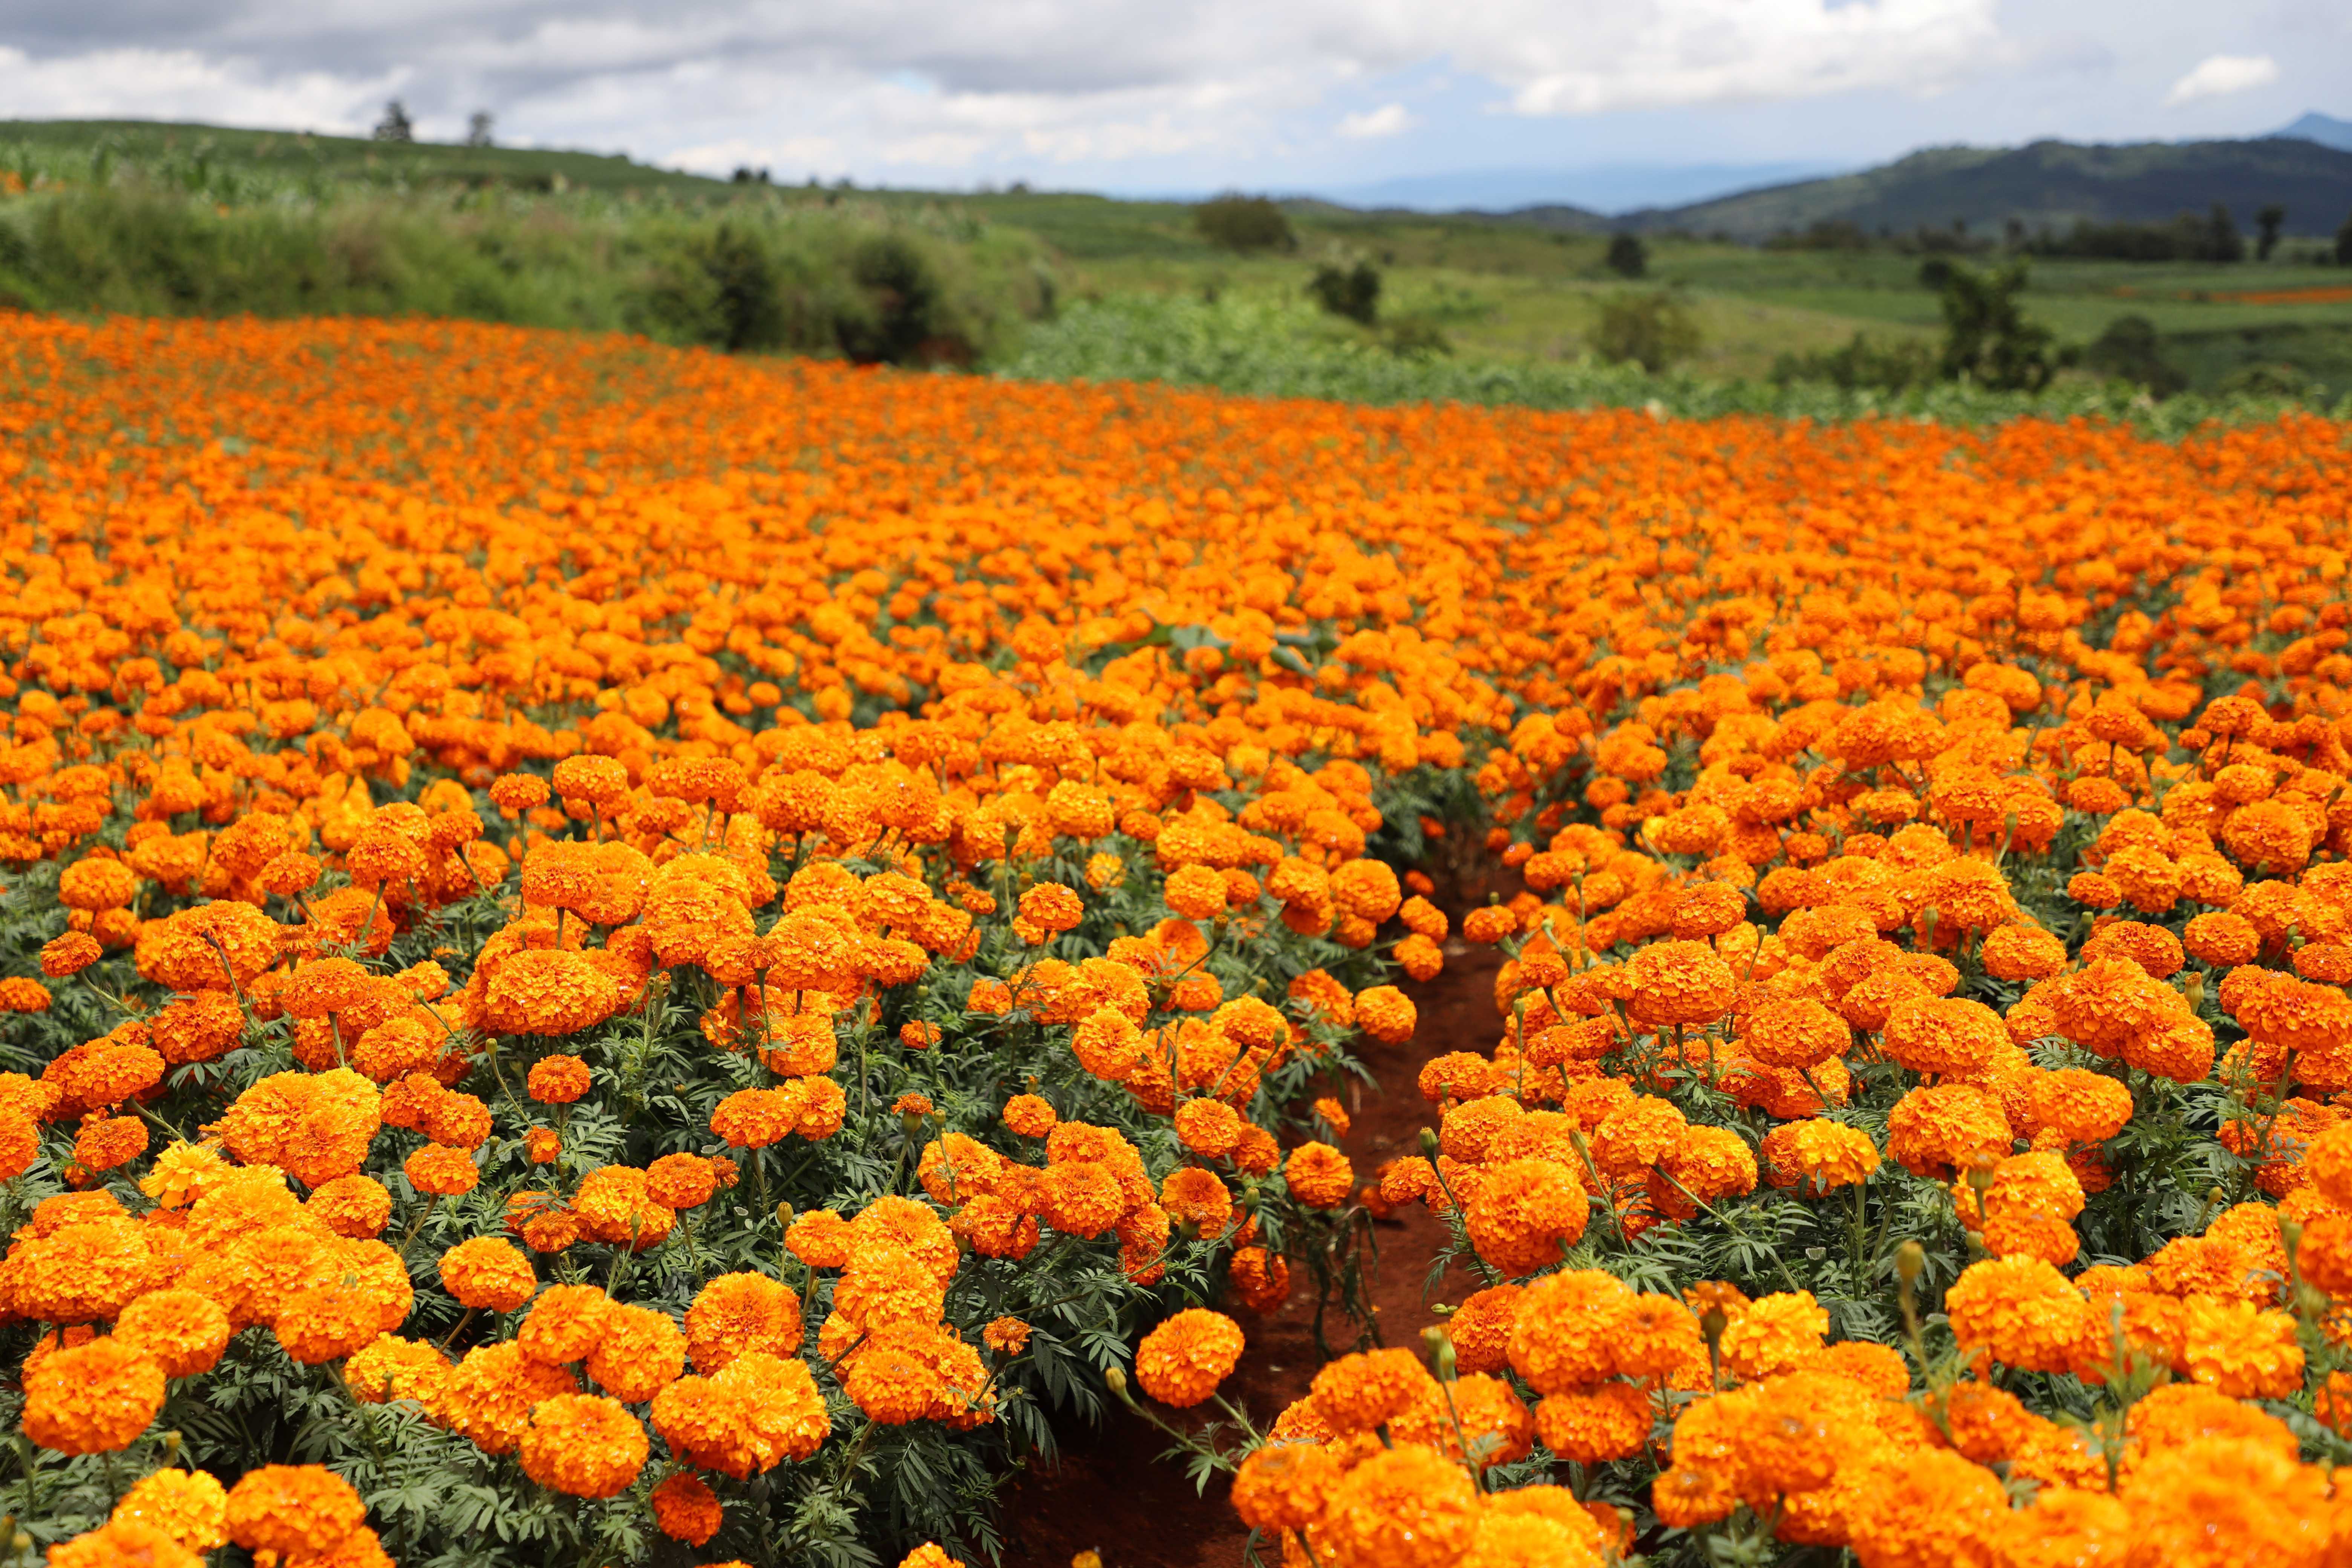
393, 1368
1029, 1115
1198, 1198
1358, 1393
2023, 1313
19, 994
1319, 1176
1592, 1426
737, 1312
558, 1079
441, 1172
296, 1511
686, 1509
189, 1506
92, 1398
69, 954
487, 1273
182, 1331
1774, 1333
104, 1142
583, 1446
1285, 1486
1182, 1361
124, 1542
1408, 1507
490, 1396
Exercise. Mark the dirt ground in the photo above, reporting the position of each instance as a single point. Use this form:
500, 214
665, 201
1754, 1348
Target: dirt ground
1112, 1494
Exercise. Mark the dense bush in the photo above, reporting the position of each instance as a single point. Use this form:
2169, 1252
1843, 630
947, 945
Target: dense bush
2130, 349
1351, 291
1237, 222
1987, 338
1862, 363
1651, 329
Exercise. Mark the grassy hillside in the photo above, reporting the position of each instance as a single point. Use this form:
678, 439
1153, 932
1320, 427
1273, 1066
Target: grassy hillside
191, 219
2047, 184
231, 162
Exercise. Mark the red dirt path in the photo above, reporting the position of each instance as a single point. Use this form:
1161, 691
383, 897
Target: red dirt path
1112, 1493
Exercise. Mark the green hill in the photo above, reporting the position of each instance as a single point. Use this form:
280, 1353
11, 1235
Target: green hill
2047, 184
300, 155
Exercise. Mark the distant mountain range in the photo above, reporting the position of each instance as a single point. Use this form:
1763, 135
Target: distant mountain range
2044, 185
2306, 167
1593, 188
2325, 129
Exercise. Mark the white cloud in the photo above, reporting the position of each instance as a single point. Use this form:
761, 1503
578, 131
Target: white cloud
1661, 54
1388, 120
184, 84
2220, 74
906, 86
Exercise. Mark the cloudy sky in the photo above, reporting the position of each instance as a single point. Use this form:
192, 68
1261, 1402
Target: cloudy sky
1145, 95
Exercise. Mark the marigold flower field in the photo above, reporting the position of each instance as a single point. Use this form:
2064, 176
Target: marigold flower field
618, 956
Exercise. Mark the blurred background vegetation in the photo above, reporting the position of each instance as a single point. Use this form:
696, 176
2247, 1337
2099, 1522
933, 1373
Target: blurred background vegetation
1241, 292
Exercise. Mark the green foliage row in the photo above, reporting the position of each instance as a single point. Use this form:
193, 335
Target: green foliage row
1277, 350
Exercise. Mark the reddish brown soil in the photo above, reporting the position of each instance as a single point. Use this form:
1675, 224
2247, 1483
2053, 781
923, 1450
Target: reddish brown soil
1112, 1494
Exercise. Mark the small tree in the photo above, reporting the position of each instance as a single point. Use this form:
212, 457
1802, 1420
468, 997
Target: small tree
477, 127
394, 126
1351, 291
1987, 337
1651, 329
1237, 222
1628, 257
2267, 224
2130, 349
2221, 240
2343, 244
904, 301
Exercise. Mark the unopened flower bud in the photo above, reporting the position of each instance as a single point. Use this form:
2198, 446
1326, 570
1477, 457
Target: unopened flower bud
784, 1215
1910, 1262
1440, 1351
1428, 1143
1114, 1379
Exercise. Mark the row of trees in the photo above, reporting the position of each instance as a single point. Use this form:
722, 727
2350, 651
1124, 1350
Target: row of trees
396, 126
2210, 235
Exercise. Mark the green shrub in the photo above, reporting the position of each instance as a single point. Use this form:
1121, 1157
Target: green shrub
1628, 257
898, 321
1351, 291
1987, 338
1415, 337
1863, 363
2267, 380
1652, 330
1237, 222
2129, 350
